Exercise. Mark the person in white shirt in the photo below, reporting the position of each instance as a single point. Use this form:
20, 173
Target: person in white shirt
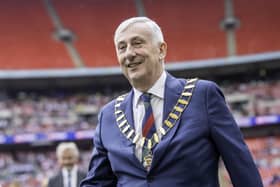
166, 131
69, 175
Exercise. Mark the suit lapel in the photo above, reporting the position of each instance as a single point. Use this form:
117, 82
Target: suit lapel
80, 177
173, 89
60, 179
127, 107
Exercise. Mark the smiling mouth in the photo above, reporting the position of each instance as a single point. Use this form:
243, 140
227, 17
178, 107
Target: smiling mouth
133, 64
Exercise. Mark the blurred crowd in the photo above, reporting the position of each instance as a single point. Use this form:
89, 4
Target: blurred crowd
32, 169
254, 98
31, 112
266, 153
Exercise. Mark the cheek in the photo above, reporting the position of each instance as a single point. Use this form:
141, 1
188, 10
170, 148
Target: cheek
124, 71
122, 63
119, 58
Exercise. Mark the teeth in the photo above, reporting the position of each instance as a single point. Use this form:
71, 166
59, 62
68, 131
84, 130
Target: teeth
133, 64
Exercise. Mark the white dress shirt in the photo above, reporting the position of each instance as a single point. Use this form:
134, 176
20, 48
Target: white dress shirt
157, 91
74, 176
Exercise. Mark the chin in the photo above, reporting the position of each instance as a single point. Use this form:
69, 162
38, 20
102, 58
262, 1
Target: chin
135, 80
138, 76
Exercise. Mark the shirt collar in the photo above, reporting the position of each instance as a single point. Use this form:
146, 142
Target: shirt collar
157, 89
73, 170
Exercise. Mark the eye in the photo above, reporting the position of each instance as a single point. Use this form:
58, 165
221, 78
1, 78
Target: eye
121, 47
137, 43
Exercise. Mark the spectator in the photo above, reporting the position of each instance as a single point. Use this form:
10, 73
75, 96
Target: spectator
69, 175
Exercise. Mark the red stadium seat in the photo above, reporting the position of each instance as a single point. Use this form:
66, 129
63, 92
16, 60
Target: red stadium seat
26, 37
191, 28
259, 29
94, 23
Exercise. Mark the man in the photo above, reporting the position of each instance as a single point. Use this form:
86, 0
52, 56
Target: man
69, 176
180, 142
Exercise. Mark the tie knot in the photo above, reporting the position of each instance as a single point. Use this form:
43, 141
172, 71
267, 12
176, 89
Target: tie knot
146, 97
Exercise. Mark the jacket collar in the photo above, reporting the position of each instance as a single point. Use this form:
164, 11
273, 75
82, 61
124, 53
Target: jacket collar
173, 89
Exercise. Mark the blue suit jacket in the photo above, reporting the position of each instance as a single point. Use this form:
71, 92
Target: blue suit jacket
187, 156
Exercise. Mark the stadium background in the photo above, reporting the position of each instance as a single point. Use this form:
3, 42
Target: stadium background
58, 67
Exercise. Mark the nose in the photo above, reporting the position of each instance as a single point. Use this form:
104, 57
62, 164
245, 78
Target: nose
130, 53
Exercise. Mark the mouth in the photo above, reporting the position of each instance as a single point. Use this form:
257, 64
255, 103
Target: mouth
133, 64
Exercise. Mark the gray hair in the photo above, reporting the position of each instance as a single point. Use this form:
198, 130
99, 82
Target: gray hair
67, 145
152, 24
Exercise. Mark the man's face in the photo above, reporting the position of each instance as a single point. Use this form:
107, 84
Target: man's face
68, 159
139, 55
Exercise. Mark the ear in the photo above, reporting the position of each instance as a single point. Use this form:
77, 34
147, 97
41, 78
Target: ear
162, 50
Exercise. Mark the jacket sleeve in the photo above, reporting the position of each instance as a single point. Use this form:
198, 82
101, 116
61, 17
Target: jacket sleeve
229, 141
100, 172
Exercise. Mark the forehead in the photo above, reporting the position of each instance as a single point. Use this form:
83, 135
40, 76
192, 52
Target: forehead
134, 30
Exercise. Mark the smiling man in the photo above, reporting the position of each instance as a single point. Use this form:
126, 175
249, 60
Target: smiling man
140, 53
165, 131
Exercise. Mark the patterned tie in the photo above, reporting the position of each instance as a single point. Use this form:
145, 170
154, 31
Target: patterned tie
148, 129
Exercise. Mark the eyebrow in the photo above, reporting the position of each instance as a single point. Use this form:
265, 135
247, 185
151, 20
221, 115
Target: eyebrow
131, 39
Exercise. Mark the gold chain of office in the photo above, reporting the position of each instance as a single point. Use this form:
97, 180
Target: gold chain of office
171, 120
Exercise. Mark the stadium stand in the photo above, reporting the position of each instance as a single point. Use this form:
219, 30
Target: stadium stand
255, 98
33, 120
266, 152
34, 112
26, 38
94, 23
31, 168
191, 30
258, 27
28, 35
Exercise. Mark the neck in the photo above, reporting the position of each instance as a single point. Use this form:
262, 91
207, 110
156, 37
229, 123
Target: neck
145, 84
